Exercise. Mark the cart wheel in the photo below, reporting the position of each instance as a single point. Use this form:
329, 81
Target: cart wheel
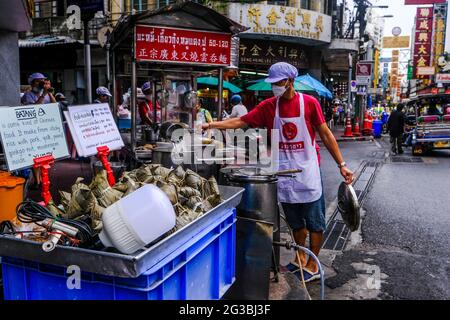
417, 151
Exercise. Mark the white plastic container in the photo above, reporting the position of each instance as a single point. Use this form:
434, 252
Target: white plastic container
137, 219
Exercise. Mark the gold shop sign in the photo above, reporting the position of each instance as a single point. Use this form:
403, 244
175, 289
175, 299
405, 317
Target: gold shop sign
281, 20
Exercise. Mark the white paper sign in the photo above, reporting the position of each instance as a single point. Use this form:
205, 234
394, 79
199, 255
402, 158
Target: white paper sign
29, 132
93, 126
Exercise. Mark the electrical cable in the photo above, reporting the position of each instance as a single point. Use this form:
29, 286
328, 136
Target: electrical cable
31, 212
293, 244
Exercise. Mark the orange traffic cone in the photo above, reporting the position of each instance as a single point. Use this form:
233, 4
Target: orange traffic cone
367, 126
356, 132
348, 128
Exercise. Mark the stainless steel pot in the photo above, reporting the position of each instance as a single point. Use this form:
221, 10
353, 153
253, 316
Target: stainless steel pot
259, 206
167, 128
260, 200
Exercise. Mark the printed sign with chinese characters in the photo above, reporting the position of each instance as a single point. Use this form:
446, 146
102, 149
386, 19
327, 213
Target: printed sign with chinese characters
423, 40
281, 20
30, 132
171, 45
396, 42
266, 53
93, 126
416, 2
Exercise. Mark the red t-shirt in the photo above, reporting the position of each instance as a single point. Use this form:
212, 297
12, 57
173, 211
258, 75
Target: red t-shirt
263, 115
146, 108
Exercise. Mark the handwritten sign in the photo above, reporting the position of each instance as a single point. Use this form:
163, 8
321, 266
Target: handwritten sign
93, 126
29, 132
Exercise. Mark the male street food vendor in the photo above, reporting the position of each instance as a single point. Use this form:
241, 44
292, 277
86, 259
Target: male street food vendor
297, 117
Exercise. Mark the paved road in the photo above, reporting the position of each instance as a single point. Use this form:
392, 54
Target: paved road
404, 252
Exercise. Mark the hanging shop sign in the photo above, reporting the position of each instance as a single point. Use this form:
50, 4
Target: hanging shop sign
266, 53
281, 20
426, 71
443, 78
396, 42
30, 132
181, 46
364, 71
423, 39
93, 126
439, 37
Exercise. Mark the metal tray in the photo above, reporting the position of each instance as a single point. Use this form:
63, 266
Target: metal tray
116, 264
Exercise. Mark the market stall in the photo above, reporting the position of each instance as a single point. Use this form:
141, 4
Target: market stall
171, 48
153, 229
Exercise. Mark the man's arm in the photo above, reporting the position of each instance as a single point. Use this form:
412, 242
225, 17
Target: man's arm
234, 123
52, 97
331, 144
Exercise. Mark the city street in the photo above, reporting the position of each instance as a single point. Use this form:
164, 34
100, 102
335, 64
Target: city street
401, 249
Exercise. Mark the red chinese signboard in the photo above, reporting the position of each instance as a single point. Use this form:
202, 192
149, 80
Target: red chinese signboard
423, 40
416, 2
171, 45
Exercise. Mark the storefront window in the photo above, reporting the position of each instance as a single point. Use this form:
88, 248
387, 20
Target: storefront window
279, 2
45, 9
163, 3
305, 4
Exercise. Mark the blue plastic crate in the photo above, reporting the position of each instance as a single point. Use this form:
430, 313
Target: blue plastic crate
124, 123
203, 267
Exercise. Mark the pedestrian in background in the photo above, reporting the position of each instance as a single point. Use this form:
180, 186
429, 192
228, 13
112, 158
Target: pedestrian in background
396, 127
41, 90
238, 109
103, 95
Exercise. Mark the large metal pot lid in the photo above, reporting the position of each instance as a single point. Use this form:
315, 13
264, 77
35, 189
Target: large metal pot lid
249, 173
348, 206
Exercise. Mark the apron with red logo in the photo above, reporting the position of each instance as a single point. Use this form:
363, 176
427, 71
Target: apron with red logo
297, 151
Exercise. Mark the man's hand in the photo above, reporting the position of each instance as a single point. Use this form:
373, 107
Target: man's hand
347, 174
205, 126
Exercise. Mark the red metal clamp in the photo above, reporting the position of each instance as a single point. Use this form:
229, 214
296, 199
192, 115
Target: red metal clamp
102, 155
44, 163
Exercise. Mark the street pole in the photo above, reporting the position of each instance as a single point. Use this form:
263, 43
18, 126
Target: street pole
350, 76
87, 62
220, 89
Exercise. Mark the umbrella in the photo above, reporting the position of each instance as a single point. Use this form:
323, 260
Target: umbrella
213, 81
316, 85
264, 86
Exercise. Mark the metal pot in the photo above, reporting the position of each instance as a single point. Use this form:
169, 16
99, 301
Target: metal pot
260, 198
162, 155
149, 135
259, 206
167, 128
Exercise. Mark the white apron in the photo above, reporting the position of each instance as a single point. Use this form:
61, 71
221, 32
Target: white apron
297, 151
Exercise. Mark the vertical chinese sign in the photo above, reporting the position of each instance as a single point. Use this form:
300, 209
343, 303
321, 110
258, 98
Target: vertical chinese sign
171, 45
439, 36
423, 39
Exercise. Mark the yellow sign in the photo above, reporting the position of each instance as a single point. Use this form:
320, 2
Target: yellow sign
282, 20
208, 93
396, 42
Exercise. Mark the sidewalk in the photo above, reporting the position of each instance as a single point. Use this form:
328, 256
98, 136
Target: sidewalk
338, 133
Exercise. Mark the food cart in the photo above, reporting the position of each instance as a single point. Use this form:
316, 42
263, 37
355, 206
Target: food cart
195, 261
170, 48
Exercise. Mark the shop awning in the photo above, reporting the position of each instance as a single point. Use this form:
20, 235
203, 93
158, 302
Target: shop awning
185, 15
213, 81
43, 41
316, 85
